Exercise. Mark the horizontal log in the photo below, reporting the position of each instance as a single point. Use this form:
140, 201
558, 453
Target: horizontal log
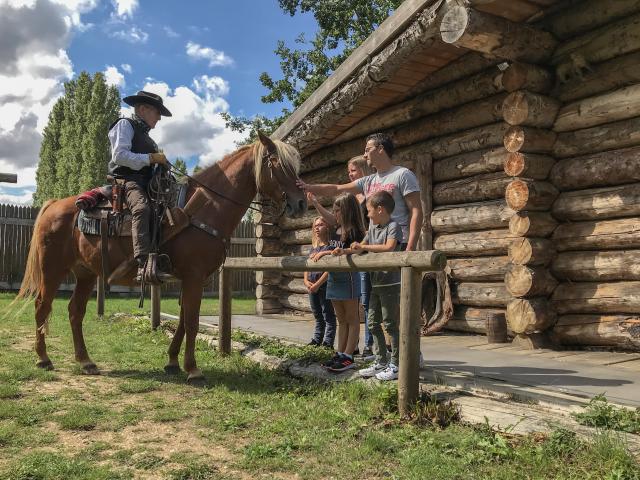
481, 32
606, 108
481, 269
296, 301
479, 138
598, 203
292, 274
305, 221
529, 139
530, 315
623, 233
530, 109
532, 224
618, 331
525, 76
595, 266
474, 244
296, 237
488, 186
602, 169
8, 178
296, 250
268, 306
472, 319
528, 165
524, 281
267, 291
293, 285
531, 251
267, 230
471, 216
522, 194
622, 134
268, 246
597, 297
469, 164
480, 294
429, 260
264, 277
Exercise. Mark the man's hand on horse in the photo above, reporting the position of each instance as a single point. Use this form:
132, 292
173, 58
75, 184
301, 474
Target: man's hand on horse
158, 158
302, 186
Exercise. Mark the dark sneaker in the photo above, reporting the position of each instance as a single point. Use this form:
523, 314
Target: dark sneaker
331, 361
327, 345
367, 354
313, 343
345, 362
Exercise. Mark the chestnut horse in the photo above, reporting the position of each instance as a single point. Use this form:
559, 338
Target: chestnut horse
269, 167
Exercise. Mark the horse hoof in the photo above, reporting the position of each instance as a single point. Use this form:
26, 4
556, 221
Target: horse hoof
45, 365
196, 379
172, 370
90, 369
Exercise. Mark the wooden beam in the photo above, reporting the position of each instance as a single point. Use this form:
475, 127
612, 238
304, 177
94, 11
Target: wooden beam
8, 177
155, 306
224, 322
408, 375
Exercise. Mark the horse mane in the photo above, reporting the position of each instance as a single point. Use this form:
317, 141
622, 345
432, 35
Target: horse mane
287, 154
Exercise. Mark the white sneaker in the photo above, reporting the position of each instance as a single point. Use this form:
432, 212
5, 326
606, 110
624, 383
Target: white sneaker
372, 370
389, 373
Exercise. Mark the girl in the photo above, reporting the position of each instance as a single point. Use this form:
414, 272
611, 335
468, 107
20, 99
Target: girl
315, 282
343, 288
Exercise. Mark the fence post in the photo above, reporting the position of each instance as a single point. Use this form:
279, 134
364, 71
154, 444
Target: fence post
155, 306
224, 322
100, 295
408, 375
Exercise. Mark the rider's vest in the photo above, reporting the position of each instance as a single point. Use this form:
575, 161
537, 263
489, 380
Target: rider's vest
141, 143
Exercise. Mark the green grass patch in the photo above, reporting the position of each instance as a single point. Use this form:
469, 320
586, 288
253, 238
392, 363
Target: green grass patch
277, 348
81, 417
138, 386
600, 413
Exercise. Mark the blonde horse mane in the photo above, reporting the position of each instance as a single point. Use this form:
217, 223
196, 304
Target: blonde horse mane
287, 154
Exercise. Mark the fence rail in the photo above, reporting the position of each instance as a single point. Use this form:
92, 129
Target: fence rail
16, 228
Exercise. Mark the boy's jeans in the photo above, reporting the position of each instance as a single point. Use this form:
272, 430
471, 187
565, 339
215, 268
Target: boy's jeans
365, 293
384, 308
325, 317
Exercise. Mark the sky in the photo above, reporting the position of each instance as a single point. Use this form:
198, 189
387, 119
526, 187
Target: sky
203, 57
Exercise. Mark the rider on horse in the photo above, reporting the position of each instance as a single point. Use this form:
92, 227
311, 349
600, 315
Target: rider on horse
133, 152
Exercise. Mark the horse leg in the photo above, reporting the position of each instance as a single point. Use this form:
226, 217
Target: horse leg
173, 367
77, 309
191, 298
43, 302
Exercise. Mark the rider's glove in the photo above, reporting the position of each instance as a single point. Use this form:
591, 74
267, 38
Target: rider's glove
157, 158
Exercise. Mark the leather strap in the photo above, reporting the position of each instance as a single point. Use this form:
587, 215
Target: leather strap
104, 246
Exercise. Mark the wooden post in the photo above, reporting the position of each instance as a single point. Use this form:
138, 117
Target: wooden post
224, 323
408, 376
8, 177
424, 172
100, 295
155, 306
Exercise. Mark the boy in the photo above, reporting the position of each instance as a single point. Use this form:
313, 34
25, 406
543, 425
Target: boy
384, 235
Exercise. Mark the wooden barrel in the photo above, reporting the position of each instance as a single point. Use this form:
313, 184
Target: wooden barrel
496, 329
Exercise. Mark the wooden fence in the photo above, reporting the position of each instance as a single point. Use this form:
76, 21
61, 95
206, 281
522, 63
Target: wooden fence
16, 228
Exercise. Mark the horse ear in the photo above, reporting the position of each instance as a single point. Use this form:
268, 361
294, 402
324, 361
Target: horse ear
267, 142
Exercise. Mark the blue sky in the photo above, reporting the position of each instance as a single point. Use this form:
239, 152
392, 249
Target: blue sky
204, 57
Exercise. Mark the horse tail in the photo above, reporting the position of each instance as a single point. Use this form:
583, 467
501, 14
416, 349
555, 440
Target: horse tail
32, 281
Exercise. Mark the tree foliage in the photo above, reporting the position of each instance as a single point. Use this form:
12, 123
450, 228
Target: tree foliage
342, 26
75, 149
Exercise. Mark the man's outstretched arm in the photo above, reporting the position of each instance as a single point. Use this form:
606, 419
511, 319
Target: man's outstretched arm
328, 189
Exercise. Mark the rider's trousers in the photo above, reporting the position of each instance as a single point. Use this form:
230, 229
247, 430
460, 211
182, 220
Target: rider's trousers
138, 203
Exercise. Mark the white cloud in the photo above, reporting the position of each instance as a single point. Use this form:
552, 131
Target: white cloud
131, 35
171, 32
126, 67
211, 86
215, 57
125, 8
114, 77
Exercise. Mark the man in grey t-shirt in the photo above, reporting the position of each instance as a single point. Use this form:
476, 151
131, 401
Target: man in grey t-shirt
397, 180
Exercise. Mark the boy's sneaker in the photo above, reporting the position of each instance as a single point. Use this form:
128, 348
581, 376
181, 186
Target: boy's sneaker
331, 361
372, 370
389, 373
345, 362
367, 354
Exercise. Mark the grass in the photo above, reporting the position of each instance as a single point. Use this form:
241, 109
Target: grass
135, 421
600, 413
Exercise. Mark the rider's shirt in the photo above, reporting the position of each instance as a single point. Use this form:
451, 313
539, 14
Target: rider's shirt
130, 148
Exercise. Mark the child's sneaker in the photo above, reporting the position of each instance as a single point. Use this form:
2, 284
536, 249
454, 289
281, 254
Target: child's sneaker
367, 354
344, 362
372, 370
389, 373
331, 361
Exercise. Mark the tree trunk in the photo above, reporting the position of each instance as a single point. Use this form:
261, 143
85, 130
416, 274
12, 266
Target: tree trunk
523, 281
524, 76
481, 32
268, 306
265, 230
474, 244
594, 297
266, 246
594, 266
265, 277
469, 164
479, 138
619, 331
528, 139
528, 165
530, 109
622, 134
296, 237
489, 186
531, 251
471, 216
606, 108
481, 294
598, 203
482, 269
598, 170
530, 315
296, 301
598, 235
522, 194
532, 224
293, 285
473, 320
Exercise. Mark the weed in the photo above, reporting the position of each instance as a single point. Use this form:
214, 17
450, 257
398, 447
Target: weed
561, 443
600, 413
195, 471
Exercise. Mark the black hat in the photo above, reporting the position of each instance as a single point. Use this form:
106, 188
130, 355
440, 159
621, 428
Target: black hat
148, 98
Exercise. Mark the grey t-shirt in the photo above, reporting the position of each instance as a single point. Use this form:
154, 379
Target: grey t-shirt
378, 235
398, 181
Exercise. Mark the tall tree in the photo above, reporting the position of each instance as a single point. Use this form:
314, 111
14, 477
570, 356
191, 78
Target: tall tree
49, 151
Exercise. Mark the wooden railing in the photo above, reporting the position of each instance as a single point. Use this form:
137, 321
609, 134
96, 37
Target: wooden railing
410, 264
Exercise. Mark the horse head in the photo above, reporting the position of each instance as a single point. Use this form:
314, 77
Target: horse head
276, 170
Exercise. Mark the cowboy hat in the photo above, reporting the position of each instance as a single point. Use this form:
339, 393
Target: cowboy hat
148, 98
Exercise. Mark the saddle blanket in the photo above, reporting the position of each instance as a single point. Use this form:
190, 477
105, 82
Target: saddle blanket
117, 225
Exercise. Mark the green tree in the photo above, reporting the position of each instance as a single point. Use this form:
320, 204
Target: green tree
49, 150
342, 26
196, 169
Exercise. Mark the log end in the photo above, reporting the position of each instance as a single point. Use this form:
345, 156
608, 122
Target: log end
514, 164
514, 139
517, 194
453, 24
515, 108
